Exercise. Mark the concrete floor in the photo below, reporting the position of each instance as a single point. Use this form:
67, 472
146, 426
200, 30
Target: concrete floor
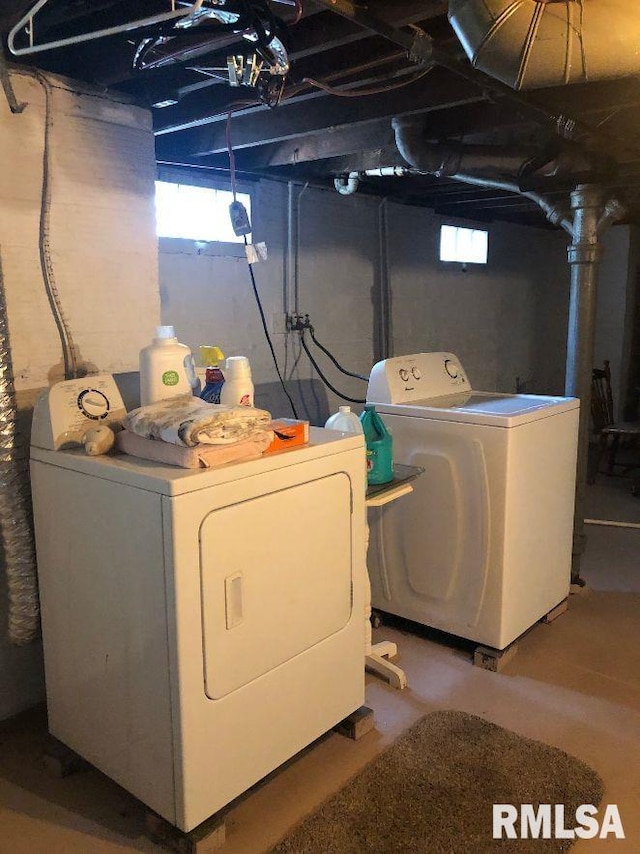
574, 684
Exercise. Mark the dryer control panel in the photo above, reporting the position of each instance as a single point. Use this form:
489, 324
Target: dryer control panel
421, 376
64, 413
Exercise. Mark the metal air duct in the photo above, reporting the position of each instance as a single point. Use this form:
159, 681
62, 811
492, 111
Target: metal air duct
17, 549
533, 43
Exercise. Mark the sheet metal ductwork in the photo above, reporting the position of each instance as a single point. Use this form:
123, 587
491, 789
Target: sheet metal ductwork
529, 44
17, 548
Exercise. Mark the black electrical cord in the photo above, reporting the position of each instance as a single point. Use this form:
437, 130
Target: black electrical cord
322, 376
232, 171
333, 358
268, 337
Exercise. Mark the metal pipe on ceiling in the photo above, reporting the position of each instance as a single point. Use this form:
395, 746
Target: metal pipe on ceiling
484, 166
348, 184
534, 43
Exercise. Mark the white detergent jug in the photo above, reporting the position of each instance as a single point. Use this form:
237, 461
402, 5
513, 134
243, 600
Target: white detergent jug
345, 420
238, 385
166, 368
348, 422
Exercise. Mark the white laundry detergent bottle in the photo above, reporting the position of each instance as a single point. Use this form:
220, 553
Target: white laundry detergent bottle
166, 368
348, 422
238, 386
344, 419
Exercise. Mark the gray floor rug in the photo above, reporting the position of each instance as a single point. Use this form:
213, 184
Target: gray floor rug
433, 790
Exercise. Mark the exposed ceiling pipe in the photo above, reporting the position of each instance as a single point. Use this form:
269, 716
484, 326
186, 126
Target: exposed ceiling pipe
415, 143
556, 213
487, 166
346, 185
534, 43
613, 211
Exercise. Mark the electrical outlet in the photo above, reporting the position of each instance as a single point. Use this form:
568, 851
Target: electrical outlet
239, 219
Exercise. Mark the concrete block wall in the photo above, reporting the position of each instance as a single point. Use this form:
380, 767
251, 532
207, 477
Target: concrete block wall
491, 317
209, 299
103, 254
487, 315
102, 229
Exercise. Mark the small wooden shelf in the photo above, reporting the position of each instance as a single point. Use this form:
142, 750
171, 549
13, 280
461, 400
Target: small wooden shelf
381, 493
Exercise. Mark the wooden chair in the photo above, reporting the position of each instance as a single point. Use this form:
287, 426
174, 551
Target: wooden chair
607, 431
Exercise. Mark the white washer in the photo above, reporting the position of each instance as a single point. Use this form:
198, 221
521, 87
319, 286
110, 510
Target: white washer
482, 546
200, 627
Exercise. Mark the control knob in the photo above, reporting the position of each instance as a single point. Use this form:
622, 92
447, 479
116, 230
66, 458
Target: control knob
451, 368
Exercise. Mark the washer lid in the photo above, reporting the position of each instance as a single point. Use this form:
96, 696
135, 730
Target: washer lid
482, 407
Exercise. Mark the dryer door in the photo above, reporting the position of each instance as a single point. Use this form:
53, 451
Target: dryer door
276, 579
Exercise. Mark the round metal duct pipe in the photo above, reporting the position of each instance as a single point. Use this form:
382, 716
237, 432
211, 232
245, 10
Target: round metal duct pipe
529, 44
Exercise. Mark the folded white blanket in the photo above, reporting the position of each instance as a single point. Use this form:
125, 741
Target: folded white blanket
188, 421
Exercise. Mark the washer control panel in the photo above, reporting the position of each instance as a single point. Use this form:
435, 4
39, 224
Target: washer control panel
418, 377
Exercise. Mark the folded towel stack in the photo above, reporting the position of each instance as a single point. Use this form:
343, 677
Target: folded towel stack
189, 432
188, 421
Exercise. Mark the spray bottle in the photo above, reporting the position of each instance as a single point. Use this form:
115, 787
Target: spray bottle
214, 378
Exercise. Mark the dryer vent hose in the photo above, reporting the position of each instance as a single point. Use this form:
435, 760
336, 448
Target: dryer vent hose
17, 550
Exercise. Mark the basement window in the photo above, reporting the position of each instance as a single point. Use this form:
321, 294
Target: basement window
196, 213
465, 245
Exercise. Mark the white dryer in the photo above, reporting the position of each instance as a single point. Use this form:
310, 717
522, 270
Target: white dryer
482, 546
200, 627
